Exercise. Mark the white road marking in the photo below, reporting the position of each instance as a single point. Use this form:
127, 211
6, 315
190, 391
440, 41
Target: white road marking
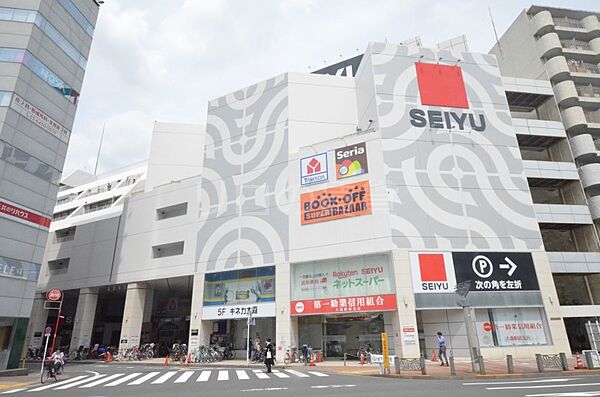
80, 382
164, 378
542, 386
13, 391
297, 373
144, 378
317, 373
184, 377
223, 375
124, 379
54, 384
93, 372
279, 374
204, 375
260, 374
573, 394
241, 374
100, 381
266, 389
520, 381
331, 386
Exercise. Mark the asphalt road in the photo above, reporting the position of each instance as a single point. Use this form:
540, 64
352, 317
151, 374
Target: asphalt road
140, 380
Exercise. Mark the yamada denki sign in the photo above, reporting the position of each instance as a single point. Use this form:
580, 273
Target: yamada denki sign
441, 272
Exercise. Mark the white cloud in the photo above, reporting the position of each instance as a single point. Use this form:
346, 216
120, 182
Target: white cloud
163, 60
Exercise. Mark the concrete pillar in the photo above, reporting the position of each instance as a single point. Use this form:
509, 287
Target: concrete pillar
406, 334
286, 326
84, 318
37, 322
133, 314
199, 330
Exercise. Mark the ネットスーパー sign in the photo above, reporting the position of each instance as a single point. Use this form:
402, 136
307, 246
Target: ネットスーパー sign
351, 160
356, 284
336, 203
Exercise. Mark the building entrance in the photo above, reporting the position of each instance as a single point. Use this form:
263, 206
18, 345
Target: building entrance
335, 335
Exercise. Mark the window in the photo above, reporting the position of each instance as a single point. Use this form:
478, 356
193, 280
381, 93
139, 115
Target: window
17, 55
99, 205
63, 235
171, 211
77, 16
63, 214
15, 268
572, 289
5, 97
164, 250
31, 16
515, 326
59, 266
28, 163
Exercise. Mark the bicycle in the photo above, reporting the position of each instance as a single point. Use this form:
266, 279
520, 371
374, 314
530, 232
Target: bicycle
291, 356
49, 373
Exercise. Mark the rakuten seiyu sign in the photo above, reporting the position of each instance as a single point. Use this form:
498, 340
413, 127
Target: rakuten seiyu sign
440, 272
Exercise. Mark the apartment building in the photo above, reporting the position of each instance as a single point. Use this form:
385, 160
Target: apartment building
561, 47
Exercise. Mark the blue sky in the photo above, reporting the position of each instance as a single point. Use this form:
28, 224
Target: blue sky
163, 60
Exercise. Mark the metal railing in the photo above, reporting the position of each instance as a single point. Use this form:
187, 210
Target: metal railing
583, 67
592, 117
588, 91
576, 44
567, 22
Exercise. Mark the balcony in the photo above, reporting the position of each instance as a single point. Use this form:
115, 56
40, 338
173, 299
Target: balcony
542, 23
592, 116
590, 176
549, 45
585, 148
574, 262
580, 67
563, 214
591, 24
549, 171
566, 22
588, 91
574, 119
594, 203
578, 45
558, 69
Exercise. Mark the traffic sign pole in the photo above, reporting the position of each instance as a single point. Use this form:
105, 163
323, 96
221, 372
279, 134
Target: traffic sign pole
48, 331
55, 295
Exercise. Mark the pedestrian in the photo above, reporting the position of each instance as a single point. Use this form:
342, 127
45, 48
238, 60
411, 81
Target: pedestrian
257, 347
269, 354
442, 350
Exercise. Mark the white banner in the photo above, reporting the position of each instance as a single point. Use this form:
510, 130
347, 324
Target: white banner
40, 118
224, 312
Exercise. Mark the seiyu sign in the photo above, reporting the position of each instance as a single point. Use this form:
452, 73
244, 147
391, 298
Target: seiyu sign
439, 272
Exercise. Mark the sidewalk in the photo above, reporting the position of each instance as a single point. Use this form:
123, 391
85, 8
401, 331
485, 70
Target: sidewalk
10, 382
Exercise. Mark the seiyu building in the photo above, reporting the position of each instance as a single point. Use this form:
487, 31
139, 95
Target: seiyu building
371, 228
333, 208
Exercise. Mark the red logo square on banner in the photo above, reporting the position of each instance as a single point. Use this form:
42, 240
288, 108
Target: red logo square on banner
432, 267
441, 85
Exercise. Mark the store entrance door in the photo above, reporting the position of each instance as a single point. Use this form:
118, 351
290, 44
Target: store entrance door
339, 334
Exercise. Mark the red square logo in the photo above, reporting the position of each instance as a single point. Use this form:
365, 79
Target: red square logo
441, 85
432, 267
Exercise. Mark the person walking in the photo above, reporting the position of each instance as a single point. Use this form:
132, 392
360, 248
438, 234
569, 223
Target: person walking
442, 350
269, 354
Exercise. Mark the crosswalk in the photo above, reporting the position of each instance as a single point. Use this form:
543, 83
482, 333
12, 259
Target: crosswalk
548, 387
168, 377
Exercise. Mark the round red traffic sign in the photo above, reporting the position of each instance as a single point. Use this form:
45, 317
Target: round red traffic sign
54, 295
487, 327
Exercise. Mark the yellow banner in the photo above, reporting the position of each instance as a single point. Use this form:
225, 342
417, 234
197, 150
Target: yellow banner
384, 350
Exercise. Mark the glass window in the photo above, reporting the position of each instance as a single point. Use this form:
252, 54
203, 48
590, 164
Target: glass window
41, 70
78, 16
594, 282
14, 268
571, 289
5, 97
28, 163
511, 327
10, 14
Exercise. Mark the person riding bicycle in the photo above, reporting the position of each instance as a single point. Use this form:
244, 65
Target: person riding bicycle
57, 361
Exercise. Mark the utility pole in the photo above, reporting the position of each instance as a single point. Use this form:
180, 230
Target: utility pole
462, 290
99, 148
249, 321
